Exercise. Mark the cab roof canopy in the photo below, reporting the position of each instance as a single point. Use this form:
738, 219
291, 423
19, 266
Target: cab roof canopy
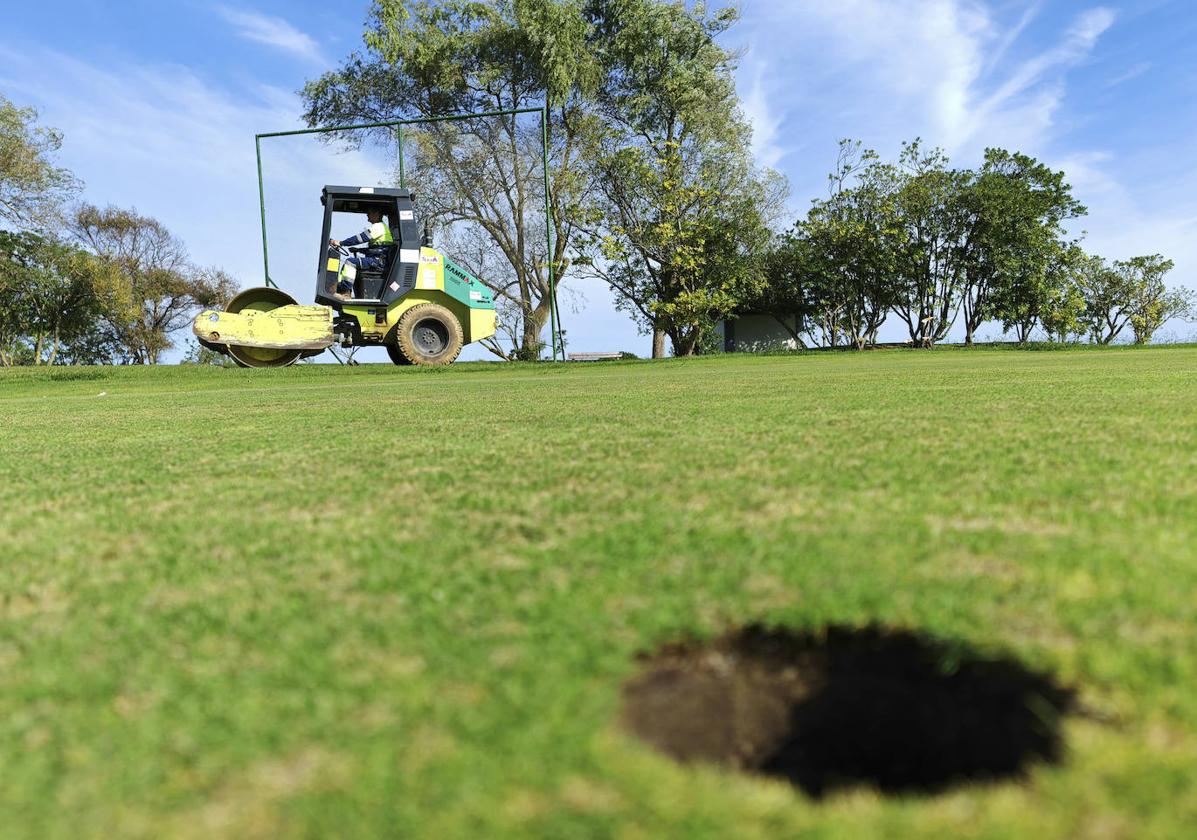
361, 199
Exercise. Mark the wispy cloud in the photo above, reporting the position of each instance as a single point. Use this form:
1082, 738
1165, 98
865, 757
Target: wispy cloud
962, 74
1074, 47
271, 31
764, 120
1132, 72
180, 148
997, 53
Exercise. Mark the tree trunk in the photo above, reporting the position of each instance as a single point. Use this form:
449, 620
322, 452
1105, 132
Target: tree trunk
685, 344
658, 343
534, 322
531, 340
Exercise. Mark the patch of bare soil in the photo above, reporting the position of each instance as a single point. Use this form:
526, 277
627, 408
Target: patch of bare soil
890, 709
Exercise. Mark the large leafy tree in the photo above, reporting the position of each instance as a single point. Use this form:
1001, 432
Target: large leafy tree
31, 186
1108, 298
855, 240
52, 295
1129, 293
1041, 292
1151, 302
157, 289
432, 58
681, 216
681, 249
930, 265
1063, 310
1011, 246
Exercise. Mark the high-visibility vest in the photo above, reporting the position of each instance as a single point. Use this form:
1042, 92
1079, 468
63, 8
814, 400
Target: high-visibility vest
380, 234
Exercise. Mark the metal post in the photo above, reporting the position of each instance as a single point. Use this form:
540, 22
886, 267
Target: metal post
262, 206
548, 228
391, 123
399, 132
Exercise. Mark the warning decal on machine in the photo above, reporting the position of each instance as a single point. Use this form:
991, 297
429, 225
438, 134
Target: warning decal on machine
406, 215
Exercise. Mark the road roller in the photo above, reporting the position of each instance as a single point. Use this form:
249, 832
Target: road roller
408, 297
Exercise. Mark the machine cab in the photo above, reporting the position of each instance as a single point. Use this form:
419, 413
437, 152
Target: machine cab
345, 211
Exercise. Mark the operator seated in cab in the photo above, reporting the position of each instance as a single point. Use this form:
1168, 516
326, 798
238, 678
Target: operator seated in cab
380, 241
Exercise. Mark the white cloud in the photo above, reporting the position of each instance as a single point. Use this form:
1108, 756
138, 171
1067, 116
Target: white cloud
935, 68
163, 140
764, 121
271, 31
1073, 48
998, 52
1132, 72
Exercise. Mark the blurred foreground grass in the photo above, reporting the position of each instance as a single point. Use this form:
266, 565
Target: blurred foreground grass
326, 601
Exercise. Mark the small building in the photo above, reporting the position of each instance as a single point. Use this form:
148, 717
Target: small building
755, 332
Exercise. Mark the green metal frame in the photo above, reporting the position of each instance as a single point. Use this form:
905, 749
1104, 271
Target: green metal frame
398, 125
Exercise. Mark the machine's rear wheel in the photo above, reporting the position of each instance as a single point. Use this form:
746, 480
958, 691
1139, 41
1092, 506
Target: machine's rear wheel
427, 334
261, 299
397, 355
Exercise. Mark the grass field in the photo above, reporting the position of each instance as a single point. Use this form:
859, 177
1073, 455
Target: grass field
332, 602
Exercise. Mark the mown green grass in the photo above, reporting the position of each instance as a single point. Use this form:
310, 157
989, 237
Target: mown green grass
369, 602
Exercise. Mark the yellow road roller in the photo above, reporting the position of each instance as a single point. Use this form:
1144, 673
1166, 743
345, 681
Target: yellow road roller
383, 287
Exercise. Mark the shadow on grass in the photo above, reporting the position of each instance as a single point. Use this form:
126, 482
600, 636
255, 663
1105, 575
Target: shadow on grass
889, 709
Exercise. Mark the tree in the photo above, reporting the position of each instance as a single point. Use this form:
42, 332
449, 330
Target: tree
930, 263
854, 240
50, 298
1108, 294
431, 58
1130, 293
157, 290
681, 249
1151, 302
1040, 291
201, 356
14, 312
1010, 248
787, 293
1063, 310
31, 186
681, 218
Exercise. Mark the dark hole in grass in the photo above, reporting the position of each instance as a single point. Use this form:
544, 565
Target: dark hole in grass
890, 709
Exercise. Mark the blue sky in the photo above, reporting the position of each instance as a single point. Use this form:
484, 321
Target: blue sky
159, 103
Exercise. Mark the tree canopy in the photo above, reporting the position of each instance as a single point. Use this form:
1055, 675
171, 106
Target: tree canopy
680, 217
935, 245
158, 288
432, 58
51, 296
31, 186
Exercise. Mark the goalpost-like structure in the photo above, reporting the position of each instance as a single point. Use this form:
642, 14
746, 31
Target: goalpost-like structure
398, 125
